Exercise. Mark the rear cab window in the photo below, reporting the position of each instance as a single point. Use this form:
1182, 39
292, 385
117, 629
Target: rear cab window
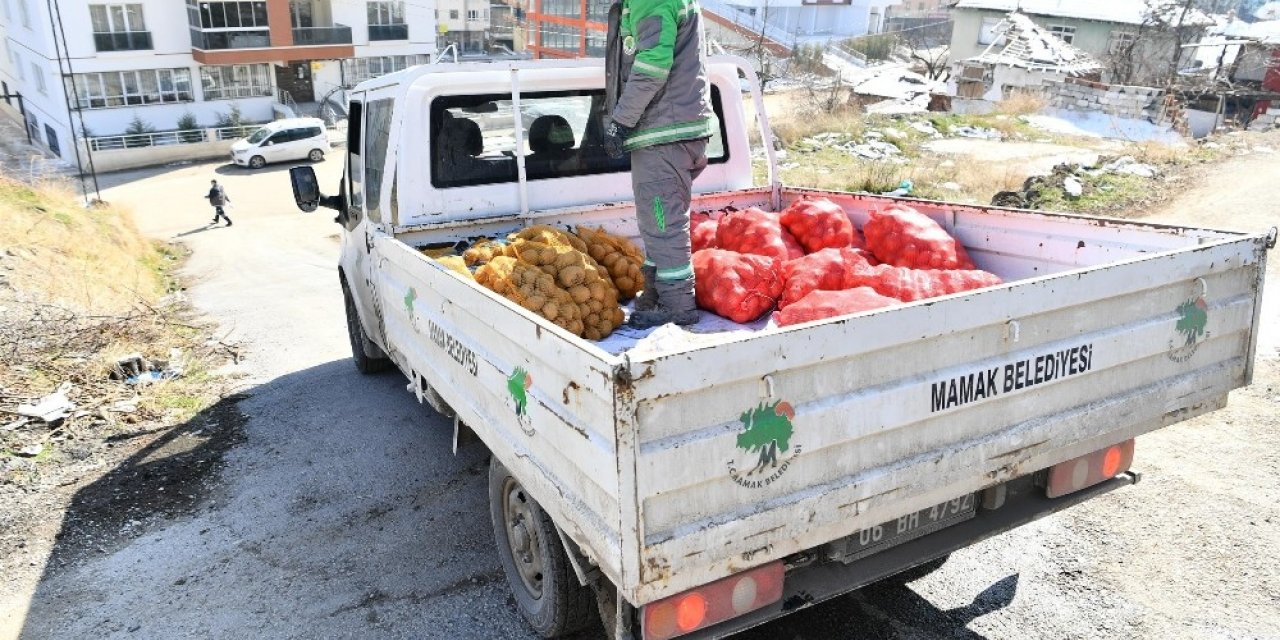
474, 141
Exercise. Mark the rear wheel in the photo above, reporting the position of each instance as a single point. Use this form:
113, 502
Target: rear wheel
545, 587
257, 162
367, 356
316, 155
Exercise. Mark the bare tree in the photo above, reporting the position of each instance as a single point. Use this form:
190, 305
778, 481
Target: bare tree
1153, 52
928, 51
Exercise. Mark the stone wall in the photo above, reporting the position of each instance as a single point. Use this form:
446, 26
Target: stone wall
1121, 101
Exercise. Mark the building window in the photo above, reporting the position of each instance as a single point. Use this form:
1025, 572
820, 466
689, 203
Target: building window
236, 81
33, 125
453, 14
381, 13
598, 11
40, 85
987, 32
1064, 33
128, 88
119, 27
17, 64
563, 8
473, 14
357, 70
51, 137
228, 15
25, 12
561, 38
1121, 41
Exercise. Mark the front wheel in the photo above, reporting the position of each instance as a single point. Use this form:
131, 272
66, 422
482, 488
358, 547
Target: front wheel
316, 155
257, 162
546, 589
366, 355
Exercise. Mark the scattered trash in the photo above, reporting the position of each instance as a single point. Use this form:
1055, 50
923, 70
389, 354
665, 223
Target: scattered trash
873, 135
950, 186
124, 406
52, 407
904, 189
896, 134
966, 131
874, 150
1073, 186
1124, 165
31, 450
15, 425
134, 369
926, 128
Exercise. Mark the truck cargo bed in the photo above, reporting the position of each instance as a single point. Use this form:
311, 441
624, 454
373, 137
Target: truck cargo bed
659, 464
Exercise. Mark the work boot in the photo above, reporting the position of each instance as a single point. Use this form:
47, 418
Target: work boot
660, 315
649, 295
676, 303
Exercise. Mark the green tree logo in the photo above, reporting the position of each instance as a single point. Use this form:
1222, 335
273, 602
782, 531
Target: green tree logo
767, 430
1193, 315
518, 384
409, 297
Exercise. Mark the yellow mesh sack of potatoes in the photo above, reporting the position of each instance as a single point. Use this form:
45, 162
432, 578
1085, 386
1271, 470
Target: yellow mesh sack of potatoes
456, 264
549, 235
533, 289
482, 251
585, 281
619, 256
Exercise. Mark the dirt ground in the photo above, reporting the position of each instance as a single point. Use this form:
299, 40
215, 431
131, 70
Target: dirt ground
338, 511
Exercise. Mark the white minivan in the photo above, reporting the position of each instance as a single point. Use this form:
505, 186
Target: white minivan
288, 139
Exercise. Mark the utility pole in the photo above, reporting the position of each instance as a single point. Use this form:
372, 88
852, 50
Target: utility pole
60, 33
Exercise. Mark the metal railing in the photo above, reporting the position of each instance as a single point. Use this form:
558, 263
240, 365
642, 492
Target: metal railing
308, 36
122, 40
746, 21
168, 138
846, 54
213, 40
285, 98
388, 32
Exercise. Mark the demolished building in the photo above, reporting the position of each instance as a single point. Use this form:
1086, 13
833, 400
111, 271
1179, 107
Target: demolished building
1022, 56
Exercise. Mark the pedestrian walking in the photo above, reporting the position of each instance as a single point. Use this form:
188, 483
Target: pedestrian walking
660, 106
218, 199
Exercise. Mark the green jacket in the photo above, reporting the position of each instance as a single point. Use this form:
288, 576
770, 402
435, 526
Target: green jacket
656, 71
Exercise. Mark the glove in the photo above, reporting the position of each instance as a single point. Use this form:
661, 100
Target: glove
615, 137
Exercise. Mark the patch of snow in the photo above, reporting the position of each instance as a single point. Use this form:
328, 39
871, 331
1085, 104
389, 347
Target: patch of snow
926, 128
1094, 124
983, 133
1073, 186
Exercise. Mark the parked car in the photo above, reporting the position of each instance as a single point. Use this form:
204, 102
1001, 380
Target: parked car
288, 139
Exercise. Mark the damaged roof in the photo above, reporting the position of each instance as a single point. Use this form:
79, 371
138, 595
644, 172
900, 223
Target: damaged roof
1026, 45
1120, 11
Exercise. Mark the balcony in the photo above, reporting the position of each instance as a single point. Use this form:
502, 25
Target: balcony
240, 39
388, 32
312, 36
122, 41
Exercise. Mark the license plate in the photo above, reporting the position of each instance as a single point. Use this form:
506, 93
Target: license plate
909, 527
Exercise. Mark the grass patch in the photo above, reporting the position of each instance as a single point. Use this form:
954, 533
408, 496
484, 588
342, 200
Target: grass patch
1105, 193
81, 288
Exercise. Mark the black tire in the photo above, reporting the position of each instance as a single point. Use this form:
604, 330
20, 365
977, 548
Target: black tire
316, 155
257, 162
554, 603
919, 571
368, 357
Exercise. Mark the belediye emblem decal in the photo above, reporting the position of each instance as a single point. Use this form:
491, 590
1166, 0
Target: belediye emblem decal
765, 446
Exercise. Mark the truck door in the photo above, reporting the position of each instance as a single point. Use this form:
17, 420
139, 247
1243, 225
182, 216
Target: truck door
357, 242
368, 215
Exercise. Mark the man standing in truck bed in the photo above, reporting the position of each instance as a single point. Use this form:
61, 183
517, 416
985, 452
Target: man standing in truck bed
659, 102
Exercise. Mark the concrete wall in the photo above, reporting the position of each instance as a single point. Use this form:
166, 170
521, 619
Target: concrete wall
121, 159
1116, 100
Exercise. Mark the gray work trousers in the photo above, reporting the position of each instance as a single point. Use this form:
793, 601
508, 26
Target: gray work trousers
662, 179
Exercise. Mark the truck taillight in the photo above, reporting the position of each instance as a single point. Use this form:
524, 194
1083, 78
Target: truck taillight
1088, 470
715, 602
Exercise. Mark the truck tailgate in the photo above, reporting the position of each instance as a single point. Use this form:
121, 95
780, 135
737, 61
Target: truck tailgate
753, 450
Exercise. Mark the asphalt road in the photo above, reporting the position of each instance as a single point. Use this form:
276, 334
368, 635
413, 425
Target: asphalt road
343, 514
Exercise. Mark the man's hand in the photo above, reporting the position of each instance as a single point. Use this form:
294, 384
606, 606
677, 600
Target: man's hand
615, 137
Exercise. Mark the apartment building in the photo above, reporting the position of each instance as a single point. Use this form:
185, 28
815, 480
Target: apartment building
567, 28
464, 23
155, 60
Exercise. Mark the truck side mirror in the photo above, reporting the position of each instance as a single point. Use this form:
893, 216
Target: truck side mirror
306, 189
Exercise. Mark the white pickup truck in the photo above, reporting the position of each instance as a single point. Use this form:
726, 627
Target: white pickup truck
697, 483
